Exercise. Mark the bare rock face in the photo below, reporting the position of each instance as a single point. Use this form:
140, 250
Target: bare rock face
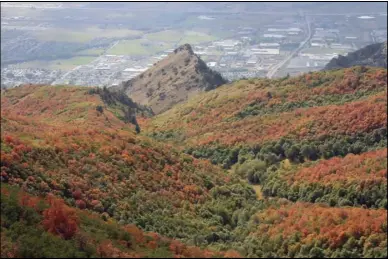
172, 80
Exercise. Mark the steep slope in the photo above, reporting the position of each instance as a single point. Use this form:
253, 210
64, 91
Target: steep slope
354, 180
172, 80
313, 145
374, 55
247, 112
295, 137
300, 230
68, 142
320, 114
38, 227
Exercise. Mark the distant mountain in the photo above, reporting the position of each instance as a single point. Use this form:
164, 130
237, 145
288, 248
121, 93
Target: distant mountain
172, 80
374, 55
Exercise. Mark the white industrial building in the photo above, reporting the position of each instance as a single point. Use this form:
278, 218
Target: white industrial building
297, 30
227, 43
266, 51
102, 68
365, 17
278, 36
269, 44
341, 46
135, 69
252, 61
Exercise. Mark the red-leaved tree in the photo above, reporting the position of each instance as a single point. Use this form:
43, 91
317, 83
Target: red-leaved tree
60, 220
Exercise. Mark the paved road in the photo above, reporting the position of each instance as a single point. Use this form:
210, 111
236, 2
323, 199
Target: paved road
277, 67
111, 47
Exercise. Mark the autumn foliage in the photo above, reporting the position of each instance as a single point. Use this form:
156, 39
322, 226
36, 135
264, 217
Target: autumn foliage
332, 226
367, 169
256, 111
71, 225
60, 220
97, 163
78, 182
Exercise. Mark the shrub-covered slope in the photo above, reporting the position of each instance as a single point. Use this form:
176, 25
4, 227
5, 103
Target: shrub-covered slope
350, 181
66, 141
37, 227
320, 137
305, 230
326, 114
315, 144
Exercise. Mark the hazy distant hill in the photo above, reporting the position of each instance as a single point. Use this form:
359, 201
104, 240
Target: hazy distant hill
172, 80
372, 55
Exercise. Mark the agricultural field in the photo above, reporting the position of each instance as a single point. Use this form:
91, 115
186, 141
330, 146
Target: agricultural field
139, 47
83, 35
167, 36
193, 37
91, 52
59, 64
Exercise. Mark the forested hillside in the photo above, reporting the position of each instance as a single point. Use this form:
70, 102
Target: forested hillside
316, 115
317, 140
36, 227
293, 167
68, 142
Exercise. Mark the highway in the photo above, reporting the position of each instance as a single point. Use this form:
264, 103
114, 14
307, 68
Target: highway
276, 68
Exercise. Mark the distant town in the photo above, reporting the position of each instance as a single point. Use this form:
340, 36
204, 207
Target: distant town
292, 46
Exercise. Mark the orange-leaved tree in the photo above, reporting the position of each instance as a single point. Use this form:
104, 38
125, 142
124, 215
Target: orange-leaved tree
60, 220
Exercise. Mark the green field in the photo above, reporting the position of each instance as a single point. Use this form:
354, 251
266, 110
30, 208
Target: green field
212, 26
91, 52
60, 64
84, 35
137, 48
193, 37
169, 36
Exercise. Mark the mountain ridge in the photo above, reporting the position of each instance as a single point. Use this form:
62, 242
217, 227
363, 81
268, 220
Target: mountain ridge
371, 55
